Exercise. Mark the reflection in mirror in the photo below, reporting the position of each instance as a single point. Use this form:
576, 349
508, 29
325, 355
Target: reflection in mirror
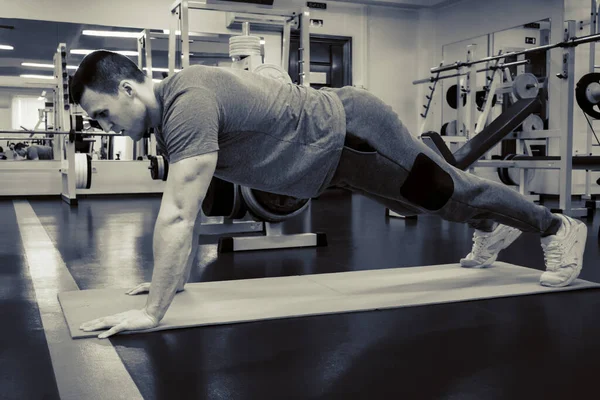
27, 51
513, 39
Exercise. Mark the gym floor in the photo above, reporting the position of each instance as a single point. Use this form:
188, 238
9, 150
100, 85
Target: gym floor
540, 346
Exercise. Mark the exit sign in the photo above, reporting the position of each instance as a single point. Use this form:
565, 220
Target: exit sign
529, 40
320, 6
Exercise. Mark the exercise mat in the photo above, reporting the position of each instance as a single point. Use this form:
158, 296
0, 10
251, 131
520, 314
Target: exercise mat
227, 302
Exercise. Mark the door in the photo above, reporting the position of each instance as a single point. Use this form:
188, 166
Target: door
330, 60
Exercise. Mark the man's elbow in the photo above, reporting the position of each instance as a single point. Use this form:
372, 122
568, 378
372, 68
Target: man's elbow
177, 217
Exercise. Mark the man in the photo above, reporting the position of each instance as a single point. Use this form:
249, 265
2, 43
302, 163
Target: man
293, 140
34, 152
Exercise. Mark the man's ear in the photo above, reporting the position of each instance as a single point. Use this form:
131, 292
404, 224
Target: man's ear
127, 87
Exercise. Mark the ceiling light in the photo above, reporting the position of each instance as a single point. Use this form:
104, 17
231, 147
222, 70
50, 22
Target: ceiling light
37, 76
161, 69
178, 33
86, 52
38, 65
6, 47
156, 80
133, 35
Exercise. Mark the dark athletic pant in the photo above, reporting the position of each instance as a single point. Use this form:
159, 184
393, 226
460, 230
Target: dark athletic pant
383, 161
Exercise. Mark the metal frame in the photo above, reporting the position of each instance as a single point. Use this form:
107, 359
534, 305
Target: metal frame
595, 10
272, 238
144, 45
560, 109
180, 14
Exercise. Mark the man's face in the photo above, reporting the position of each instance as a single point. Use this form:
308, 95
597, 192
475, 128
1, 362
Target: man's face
21, 152
122, 113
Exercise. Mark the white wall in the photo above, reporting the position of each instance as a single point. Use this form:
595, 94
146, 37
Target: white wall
391, 66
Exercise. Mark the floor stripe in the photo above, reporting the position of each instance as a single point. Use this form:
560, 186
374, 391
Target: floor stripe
84, 369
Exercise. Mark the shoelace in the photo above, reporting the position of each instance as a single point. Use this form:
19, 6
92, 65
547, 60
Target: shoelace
480, 243
553, 253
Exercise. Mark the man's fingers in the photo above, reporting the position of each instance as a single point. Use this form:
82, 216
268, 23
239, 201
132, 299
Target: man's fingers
141, 288
100, 323
112, 331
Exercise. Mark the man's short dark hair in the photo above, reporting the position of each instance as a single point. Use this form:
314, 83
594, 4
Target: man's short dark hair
20, 146
102, 71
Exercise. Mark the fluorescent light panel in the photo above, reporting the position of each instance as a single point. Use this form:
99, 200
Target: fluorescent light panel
117, 34
6, 47
178, 33
155, 69
36, 76
86, 52
39, 65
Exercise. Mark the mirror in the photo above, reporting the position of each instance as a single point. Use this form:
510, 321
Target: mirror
513, 39
27, 50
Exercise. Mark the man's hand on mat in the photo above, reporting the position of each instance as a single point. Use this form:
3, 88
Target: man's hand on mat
132, 320
145, 288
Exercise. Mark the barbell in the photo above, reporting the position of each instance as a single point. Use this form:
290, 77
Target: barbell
524, 86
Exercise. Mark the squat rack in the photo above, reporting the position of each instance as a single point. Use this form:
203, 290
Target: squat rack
561, 111
299, 19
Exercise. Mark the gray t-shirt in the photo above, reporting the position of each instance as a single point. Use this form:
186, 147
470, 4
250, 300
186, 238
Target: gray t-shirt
271, 136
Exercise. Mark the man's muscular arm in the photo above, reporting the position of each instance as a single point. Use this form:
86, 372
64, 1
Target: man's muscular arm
186, 187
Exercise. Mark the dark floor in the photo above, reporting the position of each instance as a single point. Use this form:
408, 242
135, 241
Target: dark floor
529, 347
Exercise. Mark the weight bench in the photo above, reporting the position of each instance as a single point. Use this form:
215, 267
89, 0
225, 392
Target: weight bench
491, 135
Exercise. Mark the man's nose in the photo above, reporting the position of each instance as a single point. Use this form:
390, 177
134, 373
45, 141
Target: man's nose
106, 126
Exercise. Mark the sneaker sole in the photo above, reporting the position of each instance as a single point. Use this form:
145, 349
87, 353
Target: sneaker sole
510, 238
582, 236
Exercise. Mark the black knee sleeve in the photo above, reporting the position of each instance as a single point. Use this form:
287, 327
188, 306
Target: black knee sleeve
427, 184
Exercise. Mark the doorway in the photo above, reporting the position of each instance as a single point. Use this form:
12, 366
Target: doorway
330, 60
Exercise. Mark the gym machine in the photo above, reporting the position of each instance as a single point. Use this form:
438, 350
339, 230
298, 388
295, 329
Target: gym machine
463, 98
565, 162
243, 209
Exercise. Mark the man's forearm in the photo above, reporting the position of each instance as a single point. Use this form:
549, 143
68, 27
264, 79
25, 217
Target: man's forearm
172, 249
190, 262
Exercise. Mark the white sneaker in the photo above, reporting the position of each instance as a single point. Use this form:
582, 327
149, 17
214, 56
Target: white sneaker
563, 253
487, 246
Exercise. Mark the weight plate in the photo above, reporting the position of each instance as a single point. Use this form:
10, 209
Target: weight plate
89, 172
239, 209
525, 86
153, 167
273, 71
510, 176
80, 170
533, 123
581, 94
480, 99
452, 99
449, 129
160, 167
165, 169
272, 207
